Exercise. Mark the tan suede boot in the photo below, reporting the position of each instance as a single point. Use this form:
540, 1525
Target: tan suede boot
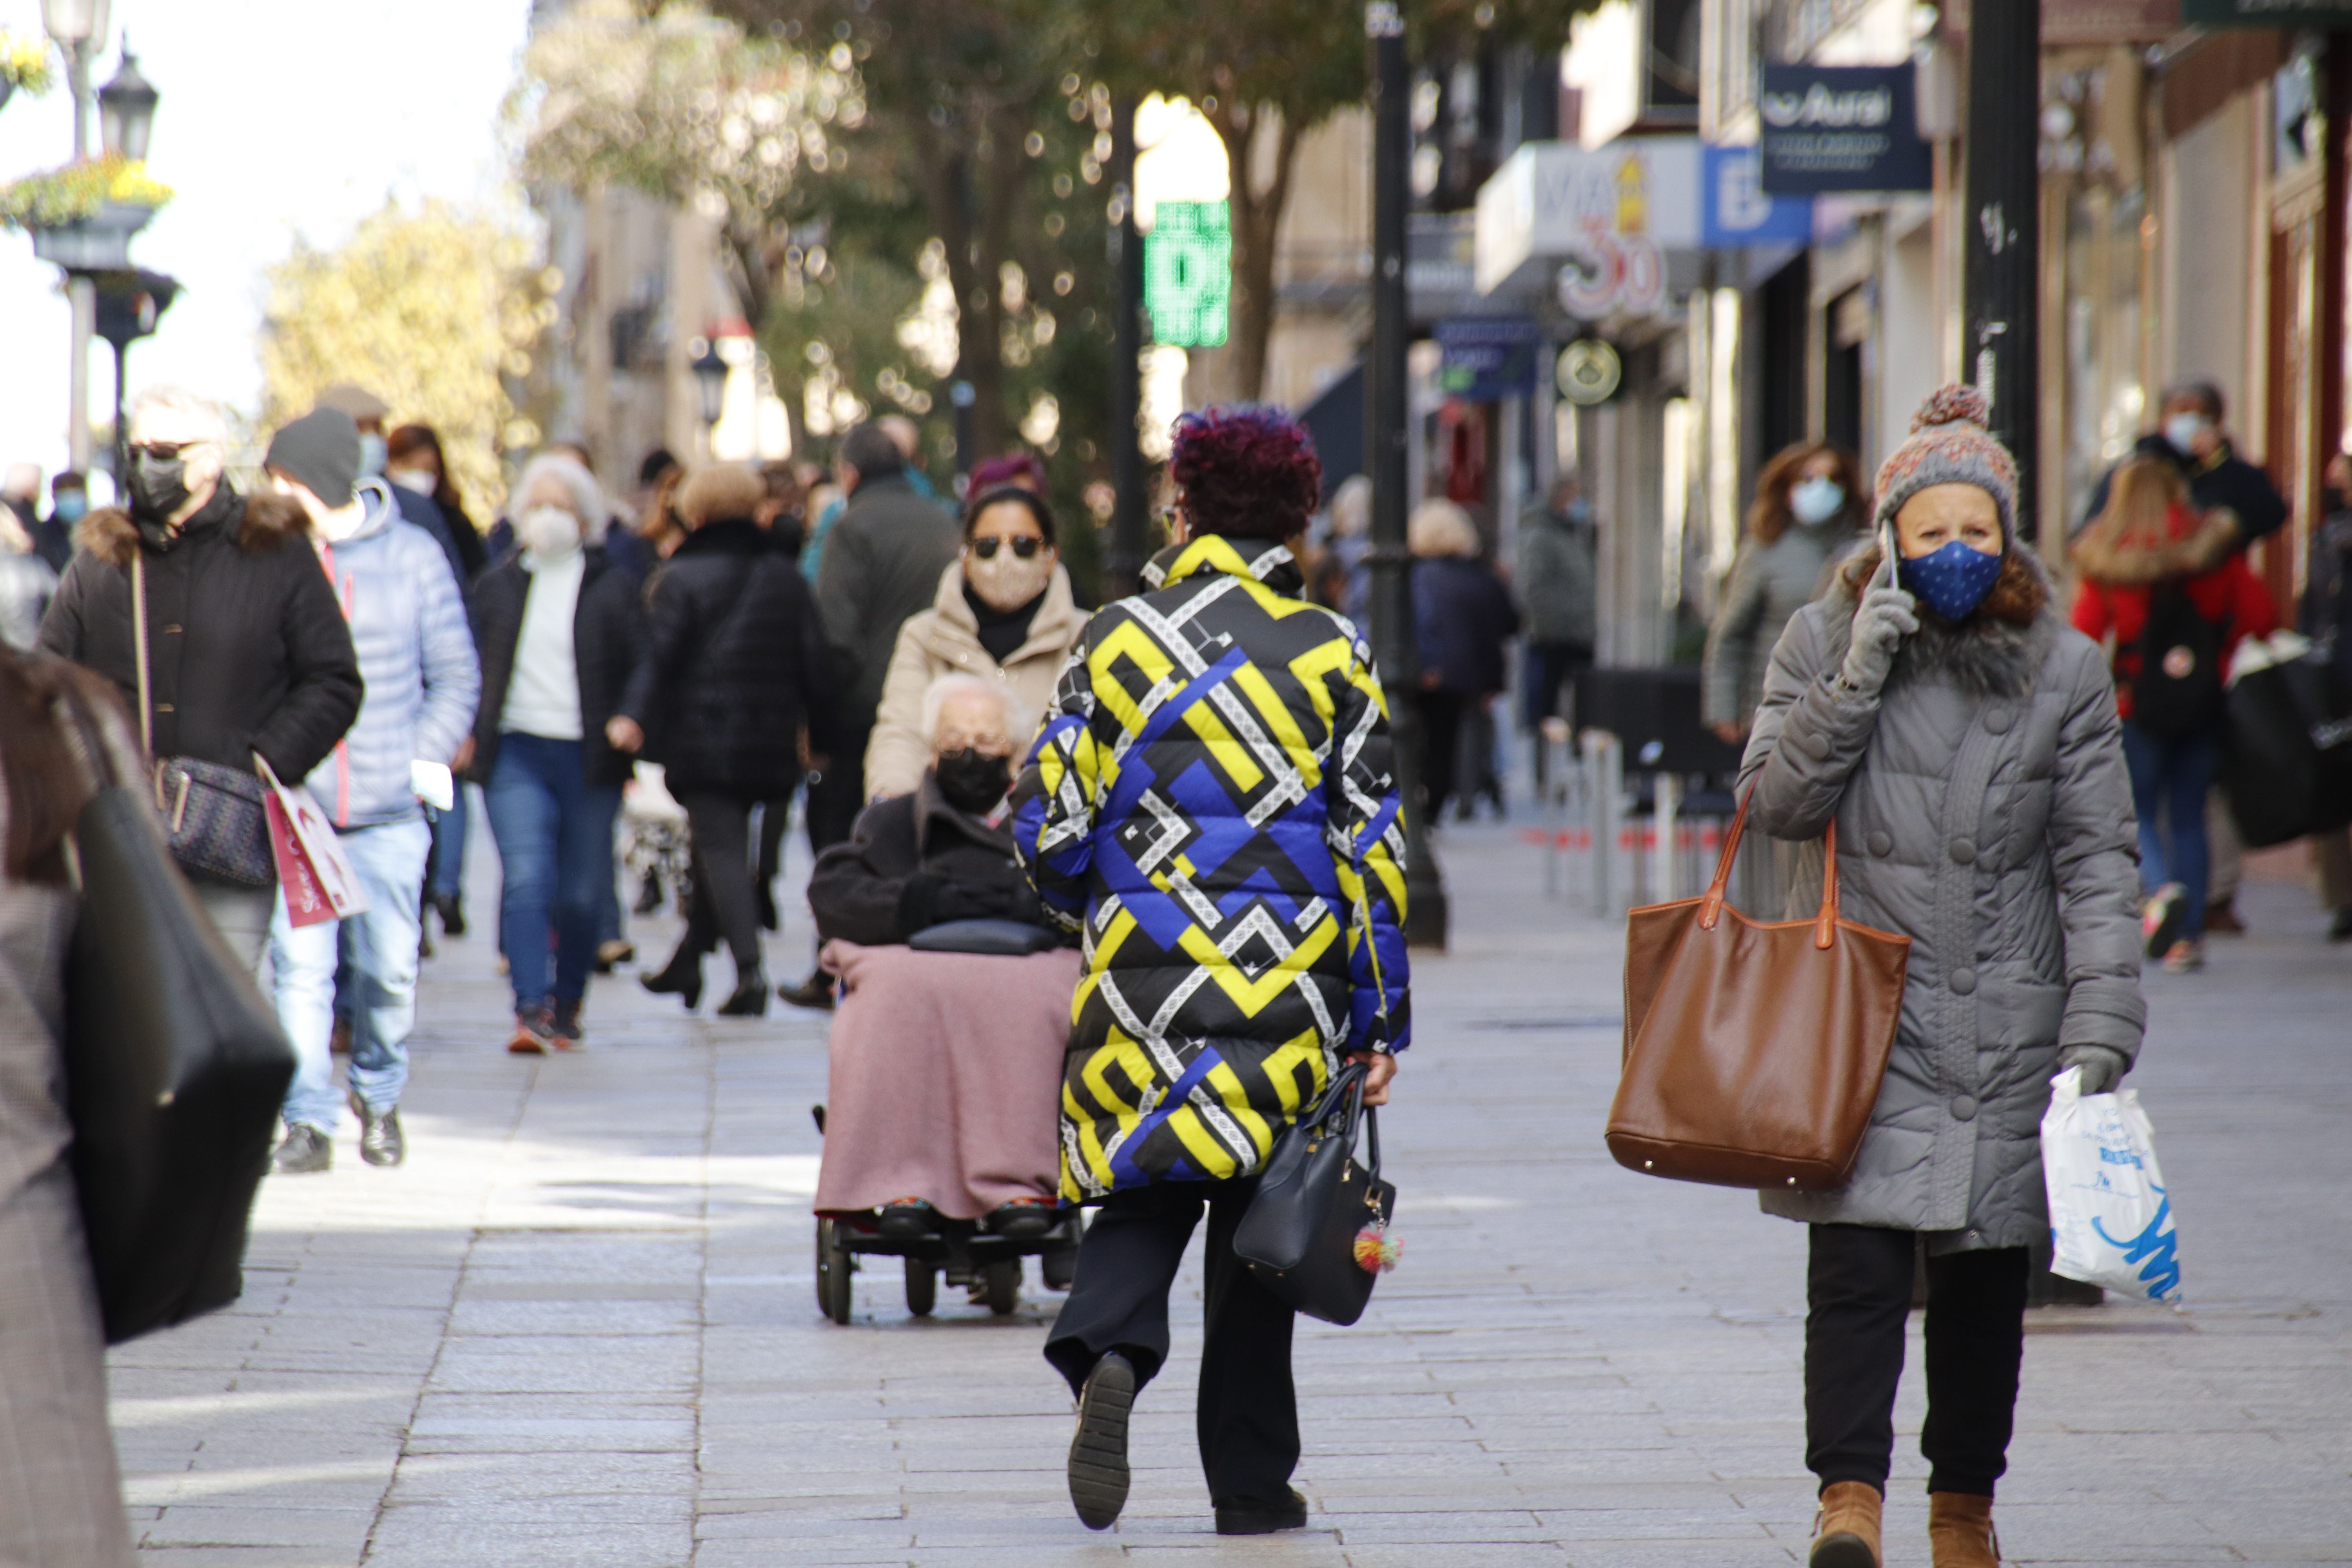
1845, 1535
1959, 1530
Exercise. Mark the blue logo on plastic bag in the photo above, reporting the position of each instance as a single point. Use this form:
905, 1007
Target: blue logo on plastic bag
2160, 1253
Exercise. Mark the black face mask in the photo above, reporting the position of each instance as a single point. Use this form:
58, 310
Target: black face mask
973, 780
159, 486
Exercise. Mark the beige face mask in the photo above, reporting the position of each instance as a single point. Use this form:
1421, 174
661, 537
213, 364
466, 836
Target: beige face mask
1006, 581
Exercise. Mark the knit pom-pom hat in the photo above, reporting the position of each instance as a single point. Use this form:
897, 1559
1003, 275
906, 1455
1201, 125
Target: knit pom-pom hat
1950, 445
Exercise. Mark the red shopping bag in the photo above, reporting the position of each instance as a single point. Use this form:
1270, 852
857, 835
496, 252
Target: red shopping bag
316, 879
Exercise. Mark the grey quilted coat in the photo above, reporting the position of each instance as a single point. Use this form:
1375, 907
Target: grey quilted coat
1983, 811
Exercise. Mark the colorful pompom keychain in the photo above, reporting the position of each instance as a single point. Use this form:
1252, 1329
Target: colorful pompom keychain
1376, 1251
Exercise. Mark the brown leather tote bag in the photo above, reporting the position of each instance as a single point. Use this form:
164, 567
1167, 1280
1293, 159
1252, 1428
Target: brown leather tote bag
1754, 1049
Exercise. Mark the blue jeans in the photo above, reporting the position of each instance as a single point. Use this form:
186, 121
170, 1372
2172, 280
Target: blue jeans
2170, 777
378, 949
554, 833
448, 867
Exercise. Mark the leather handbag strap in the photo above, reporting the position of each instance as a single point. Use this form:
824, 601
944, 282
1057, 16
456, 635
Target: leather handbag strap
1340, 1109
138, 642
1710, 908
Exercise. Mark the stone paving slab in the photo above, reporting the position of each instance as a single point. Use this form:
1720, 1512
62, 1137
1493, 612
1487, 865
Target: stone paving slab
578, 1328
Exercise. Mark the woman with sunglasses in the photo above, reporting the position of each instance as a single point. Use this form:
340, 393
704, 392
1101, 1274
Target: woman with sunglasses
1004, 613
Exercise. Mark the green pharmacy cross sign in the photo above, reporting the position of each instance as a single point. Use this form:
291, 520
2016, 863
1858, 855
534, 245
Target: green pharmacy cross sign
1188, 274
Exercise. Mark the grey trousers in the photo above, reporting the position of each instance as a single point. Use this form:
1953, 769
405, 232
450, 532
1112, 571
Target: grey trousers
240, 914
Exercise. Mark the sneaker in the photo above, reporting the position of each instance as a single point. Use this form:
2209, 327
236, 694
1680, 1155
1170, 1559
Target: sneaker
534, 1032
617, 951
1262, 1518
1097, 1467
2187, 955
2221, 917
2161, 917
452, 911
564, 1029
381, 1143
305, 1152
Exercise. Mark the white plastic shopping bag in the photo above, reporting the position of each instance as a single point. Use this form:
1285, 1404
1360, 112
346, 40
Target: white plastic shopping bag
2110, 1221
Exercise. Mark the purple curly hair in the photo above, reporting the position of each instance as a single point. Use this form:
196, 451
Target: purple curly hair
1247, 471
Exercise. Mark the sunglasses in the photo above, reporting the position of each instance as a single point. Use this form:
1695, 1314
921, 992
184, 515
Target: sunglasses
163, 451
1025, 546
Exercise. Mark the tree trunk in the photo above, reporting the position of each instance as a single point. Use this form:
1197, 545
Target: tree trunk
971, 226
1257, 216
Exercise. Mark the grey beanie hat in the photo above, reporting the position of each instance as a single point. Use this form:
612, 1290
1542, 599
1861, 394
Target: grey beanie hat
321, 452
1950, 445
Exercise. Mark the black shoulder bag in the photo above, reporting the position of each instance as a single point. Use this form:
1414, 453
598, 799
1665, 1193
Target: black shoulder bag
214, 814
174, 1066
1305, 1236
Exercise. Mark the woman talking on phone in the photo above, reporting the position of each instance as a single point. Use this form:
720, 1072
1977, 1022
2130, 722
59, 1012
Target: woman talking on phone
1964, 740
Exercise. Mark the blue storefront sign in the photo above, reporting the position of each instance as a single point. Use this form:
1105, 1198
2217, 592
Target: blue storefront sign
1737, 210
1841, 128
1488, 358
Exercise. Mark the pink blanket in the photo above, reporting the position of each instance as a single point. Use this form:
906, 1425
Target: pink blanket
946, 1078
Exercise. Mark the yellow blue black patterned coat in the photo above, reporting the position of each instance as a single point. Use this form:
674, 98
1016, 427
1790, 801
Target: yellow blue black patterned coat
1212, 804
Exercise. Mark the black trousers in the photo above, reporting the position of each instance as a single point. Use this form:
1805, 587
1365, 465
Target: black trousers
1441, 747
837, 795
1248, 1409
1857, 1295
722, 904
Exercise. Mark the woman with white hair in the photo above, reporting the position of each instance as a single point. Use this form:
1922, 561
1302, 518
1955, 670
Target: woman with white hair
1462, 616
560, 633
942, 853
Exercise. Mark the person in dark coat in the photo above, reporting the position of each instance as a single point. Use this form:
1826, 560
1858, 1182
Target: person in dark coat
882, 565
69, 504
560, 632
736, 668
939, 853
1462, 616
247, 650
2326, 619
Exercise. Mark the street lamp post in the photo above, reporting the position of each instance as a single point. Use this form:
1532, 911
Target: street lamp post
126, 111
128, 306
709, 386
1384, 455
79, 28
2000, 279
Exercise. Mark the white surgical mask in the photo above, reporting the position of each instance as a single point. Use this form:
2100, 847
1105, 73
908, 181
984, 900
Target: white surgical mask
549, 533
417, 482
1817, 499
2181, 430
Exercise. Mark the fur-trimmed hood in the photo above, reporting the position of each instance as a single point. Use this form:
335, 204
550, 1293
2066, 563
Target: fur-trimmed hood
2103, 559
1996, 652
263, 522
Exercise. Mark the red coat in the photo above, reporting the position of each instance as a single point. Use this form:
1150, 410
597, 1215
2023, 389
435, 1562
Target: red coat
2230, 595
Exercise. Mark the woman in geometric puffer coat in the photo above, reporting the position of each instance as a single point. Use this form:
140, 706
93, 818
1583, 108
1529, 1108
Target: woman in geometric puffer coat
1964, 739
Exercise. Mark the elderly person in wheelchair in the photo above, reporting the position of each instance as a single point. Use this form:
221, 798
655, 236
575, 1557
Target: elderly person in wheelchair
946, 1053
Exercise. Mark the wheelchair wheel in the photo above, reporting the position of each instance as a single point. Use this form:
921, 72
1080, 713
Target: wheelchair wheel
922, 1287
833, 1269
1004, 1286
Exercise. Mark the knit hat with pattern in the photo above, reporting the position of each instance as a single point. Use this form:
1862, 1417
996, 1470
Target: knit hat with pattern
1950, 445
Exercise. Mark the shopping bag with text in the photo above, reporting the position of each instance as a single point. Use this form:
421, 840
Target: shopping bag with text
312, 871
2110, 1217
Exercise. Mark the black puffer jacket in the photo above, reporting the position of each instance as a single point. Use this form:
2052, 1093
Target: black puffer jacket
736, 663
608, 639
248, 647
914, 861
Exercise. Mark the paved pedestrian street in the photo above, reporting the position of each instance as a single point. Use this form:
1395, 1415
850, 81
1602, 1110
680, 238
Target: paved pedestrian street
578, 1327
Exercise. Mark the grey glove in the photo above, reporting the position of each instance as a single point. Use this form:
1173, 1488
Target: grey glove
1883, 620
2101, 1065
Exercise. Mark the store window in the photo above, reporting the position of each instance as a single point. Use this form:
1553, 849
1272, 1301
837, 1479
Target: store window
2094, 190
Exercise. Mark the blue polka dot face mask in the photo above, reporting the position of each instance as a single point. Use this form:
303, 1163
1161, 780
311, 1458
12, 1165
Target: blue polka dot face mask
1951, 581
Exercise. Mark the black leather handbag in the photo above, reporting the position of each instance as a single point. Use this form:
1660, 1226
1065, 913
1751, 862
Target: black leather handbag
1303, 1236
175, 1068
212, 815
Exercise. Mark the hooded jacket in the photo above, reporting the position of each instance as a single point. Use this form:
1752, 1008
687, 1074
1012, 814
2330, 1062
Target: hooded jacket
2120, 579
249, 649
415, 654
945, 640
1983, 811
736, 662
1211, 803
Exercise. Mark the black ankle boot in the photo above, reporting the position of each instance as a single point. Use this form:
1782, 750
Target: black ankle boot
681, 977
750, 998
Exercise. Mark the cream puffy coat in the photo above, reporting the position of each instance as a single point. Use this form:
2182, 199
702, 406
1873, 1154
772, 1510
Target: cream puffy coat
945, 640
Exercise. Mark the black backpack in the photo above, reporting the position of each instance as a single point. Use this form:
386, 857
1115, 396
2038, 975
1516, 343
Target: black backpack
2178, 689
